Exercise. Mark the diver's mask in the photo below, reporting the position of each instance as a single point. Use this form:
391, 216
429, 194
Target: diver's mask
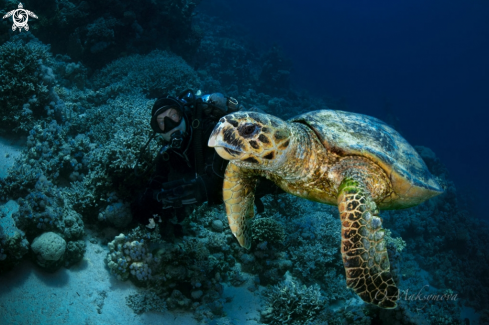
176, 135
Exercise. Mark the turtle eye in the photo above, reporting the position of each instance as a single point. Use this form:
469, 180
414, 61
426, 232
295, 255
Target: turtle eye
249, 129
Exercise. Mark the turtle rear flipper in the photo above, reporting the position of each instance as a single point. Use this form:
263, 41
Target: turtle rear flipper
363, 246
239, 195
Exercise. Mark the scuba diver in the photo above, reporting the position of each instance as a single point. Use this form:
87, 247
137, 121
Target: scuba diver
187, 172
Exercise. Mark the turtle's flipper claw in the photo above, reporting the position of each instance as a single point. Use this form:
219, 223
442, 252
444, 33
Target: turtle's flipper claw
239, 195
363, 247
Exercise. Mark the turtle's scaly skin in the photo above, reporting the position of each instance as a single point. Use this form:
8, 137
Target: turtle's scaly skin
363, 248
333, 157
238, 195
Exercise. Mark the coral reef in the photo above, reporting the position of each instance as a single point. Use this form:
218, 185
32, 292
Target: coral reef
44, 209
26, 84
97, 33
291, 303
49, 249
187, 272
275, 74
130, 256
146, 301
69, 74
12, 248
82, 145
50, 152
224, 60
69, 151
154, 74
267, 230
117, 213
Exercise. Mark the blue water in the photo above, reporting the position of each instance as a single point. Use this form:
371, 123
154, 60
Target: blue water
425, 62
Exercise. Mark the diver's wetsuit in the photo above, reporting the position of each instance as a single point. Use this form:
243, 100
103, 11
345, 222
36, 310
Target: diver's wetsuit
177, 164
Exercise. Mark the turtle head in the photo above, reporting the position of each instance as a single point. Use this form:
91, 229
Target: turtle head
251, 140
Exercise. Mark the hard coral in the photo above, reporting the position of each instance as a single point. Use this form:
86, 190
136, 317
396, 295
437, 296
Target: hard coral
26, 83
311, 246
12, 248
267, 229
155, 74
48, 249
130, 256
99, 32
50, 152
291, 303
120, 128
117, 214
146, 301
187, 272
44, 210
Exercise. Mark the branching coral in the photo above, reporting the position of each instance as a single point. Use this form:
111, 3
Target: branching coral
291, 303
267, 229
26, 83
187, 272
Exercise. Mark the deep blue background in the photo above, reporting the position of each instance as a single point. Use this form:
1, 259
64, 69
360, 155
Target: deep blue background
427, 60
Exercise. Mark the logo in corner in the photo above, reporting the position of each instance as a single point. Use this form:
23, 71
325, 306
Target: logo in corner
20, 17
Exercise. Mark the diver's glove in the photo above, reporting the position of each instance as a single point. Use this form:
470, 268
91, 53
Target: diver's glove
178, 193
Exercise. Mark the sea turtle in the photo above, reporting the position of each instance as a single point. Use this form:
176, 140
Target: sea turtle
20, 17
354, 161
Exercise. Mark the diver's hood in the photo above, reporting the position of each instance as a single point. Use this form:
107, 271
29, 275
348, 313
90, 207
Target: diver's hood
162, 105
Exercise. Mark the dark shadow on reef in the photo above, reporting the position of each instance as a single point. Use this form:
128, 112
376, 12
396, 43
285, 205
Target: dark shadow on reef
98, 32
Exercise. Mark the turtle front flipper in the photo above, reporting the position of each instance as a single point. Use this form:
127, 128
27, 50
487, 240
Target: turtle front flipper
239, 195
363, 247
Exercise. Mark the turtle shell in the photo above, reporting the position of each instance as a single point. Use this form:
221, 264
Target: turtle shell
351, 134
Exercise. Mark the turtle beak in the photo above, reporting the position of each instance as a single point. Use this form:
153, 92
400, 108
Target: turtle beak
224, 141
213, 139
